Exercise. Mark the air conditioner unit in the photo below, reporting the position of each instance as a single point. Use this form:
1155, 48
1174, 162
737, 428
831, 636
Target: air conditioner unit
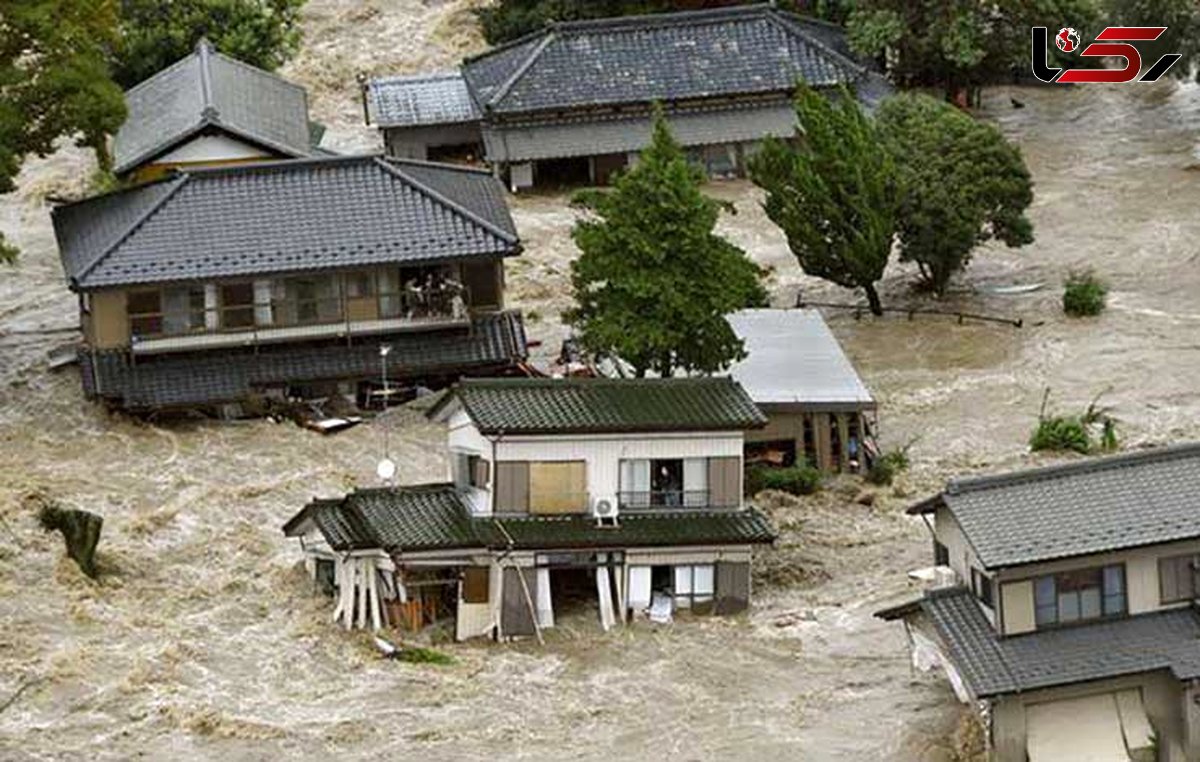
605, 511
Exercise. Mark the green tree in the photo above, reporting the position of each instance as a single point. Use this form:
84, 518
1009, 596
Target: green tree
957, 44
963, 184
157, 33
833, 193
653, 283
54, 82
1180, 17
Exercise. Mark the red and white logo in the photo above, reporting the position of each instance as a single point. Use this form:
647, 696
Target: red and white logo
1067, 39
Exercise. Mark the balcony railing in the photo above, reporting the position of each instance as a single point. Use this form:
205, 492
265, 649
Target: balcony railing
653, 500
289, 319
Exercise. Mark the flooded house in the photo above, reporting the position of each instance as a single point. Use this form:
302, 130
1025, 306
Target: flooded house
1066, 609
218, 285
209, 109
622, 496
572, 102
818, 409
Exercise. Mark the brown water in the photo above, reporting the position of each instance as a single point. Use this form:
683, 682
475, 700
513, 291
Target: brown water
202, 640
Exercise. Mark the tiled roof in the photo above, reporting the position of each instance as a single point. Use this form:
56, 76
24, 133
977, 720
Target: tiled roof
424, 99
746, 527
207, 90
600, 405
434, 517
425, 517
657, 57
792, 357
494, 342
276, 217
993, 665
1088, 506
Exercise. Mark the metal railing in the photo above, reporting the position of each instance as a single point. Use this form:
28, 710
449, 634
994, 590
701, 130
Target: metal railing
658, 499
417, 304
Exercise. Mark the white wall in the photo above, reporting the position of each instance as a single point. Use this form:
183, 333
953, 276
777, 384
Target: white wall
212, 148
465, 438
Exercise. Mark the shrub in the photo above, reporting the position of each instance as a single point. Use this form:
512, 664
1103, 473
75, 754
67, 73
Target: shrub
1061, 432
419, 655
883, 471
1084, 294
801, 479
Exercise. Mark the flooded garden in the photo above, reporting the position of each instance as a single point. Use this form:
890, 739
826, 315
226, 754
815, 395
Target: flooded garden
203, 637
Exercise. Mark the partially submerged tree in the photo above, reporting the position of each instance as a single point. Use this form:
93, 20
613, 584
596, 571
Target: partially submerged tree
54, 82
157, 33
833, 193
653, 282
963, 184
80, 530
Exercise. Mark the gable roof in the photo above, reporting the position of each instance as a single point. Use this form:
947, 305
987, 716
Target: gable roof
655, 57
793, 358
602, 405
1089, 506
287, 216
423, 99
992, 665
434, 517
208, 90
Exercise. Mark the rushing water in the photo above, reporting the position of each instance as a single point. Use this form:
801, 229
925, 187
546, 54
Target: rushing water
203, 641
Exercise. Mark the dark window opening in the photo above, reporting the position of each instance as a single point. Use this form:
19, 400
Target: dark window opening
145, 312
983, 586
666, 482
237, 305
941, 554
1079, 595
780, 452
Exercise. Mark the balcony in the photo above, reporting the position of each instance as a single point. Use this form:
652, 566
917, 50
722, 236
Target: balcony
252, 321
665, 500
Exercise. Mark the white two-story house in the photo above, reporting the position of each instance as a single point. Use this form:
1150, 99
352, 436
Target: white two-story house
1070, 619
618, 494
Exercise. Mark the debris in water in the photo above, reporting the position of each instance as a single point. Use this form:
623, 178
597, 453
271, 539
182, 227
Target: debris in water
80, 530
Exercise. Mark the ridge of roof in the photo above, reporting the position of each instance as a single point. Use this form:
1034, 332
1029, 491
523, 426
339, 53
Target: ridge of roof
432, 76
179, 181
521, 70
962, 485
445, 201
641, 20
786, 21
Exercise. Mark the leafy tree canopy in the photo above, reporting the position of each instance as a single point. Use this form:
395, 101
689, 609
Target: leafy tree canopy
1180, 17
958, 43
833, 193
653, 282
157, 33
54, 81
963, 184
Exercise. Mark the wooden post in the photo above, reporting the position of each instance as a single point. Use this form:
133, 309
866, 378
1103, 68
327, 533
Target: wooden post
843, 441
822, 441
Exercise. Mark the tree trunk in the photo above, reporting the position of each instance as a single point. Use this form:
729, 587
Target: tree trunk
873, 299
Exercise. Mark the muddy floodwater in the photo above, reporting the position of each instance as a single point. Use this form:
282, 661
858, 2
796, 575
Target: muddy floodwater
202, 639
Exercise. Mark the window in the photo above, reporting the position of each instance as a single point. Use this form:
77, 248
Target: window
983, 587
237, 305
1177, 578
360, 285
145, 312
1079, 595
558, 487
184, 308
669, 482
475, 584
941, 554
694, 585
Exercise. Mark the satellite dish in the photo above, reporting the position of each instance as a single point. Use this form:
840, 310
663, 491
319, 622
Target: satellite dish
386, 470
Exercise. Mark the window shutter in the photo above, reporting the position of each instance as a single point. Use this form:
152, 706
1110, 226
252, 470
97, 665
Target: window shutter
482, 472
725, 482
512, 487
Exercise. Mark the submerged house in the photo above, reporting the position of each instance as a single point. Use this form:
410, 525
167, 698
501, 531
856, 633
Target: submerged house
1070, 620
622, 494
218, 285
818, 409
573, 101
209, 109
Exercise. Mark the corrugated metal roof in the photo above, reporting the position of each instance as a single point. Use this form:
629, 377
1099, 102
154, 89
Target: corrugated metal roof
655, 57
793, 358
595, 135
992, 665
312, 214
600, 405
207, 90
1090, 506
494, 342
423, 99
